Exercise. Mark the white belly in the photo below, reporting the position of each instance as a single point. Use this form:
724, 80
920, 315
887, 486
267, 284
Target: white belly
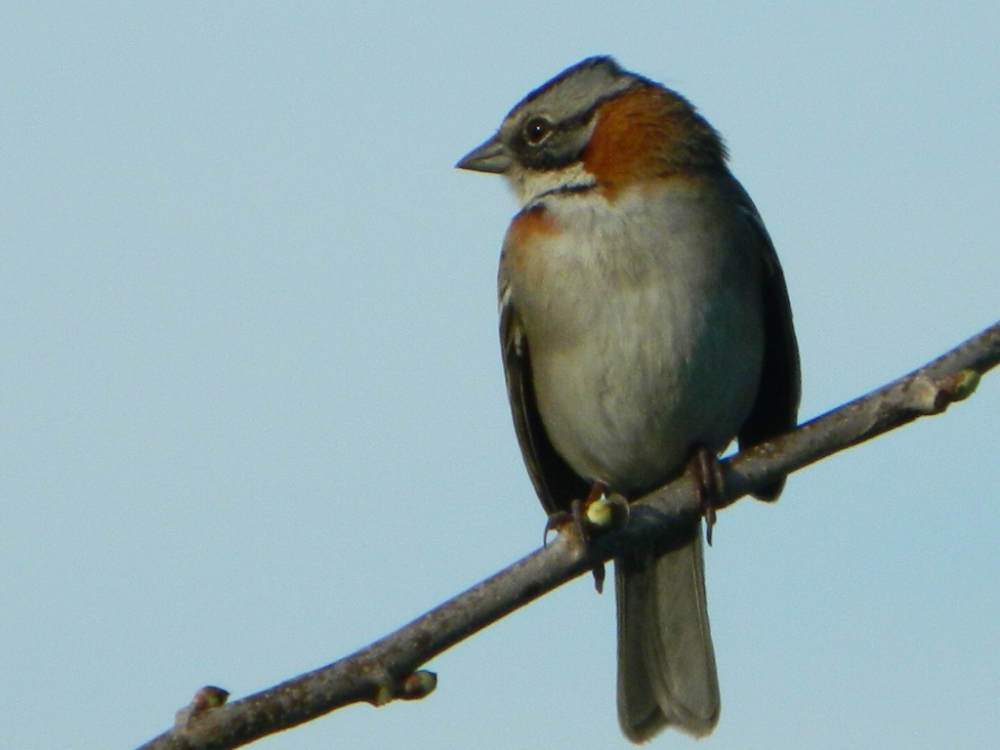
648, 340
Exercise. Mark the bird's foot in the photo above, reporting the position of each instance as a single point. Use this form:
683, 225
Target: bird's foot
703, 466
576, 516
597, 512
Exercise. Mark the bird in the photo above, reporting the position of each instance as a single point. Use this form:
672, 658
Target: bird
644, 317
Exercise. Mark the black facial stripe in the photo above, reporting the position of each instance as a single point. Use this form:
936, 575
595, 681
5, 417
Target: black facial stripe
567, 190
538, 203
548, 154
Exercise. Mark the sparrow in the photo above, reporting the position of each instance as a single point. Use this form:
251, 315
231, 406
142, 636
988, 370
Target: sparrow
643, 318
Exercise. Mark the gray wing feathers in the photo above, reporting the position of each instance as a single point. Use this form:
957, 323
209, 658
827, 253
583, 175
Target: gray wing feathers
775, 410
556, 484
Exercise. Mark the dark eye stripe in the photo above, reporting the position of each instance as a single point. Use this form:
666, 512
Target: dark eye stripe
536, 130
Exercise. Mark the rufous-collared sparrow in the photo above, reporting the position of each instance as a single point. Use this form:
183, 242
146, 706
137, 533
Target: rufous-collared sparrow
643, 317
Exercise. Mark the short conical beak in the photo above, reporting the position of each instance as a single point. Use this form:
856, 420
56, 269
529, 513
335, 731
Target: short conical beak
492, 157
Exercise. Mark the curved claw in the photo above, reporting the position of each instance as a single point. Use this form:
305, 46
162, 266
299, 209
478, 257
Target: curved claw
704, 468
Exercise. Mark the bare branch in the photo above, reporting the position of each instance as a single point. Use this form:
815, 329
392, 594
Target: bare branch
387, 669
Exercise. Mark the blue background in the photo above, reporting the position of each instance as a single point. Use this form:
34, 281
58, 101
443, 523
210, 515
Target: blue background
252, 413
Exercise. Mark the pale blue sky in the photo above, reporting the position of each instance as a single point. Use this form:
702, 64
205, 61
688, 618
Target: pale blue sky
251, 405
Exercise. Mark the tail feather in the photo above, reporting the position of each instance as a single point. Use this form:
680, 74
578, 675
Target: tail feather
666, 663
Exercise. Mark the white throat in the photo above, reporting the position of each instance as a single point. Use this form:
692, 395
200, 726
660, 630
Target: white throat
529, 184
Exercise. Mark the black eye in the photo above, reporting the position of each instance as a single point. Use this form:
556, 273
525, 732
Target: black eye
536, 130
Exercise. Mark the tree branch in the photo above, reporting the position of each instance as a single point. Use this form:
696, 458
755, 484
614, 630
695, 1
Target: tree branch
386, 670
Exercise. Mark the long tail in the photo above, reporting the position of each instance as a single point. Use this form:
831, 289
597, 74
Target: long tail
666, 663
